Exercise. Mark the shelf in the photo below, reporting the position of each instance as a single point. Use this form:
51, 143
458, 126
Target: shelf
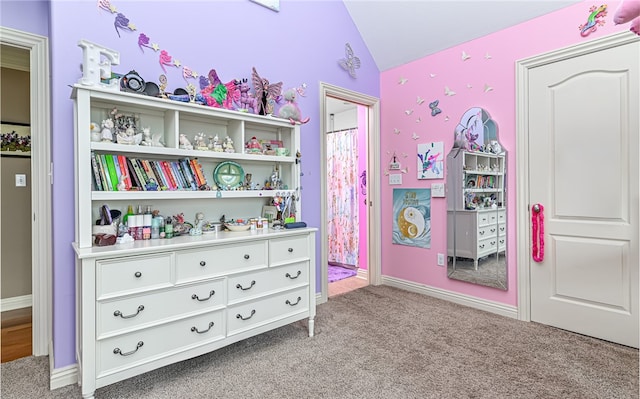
184, 194
481, 172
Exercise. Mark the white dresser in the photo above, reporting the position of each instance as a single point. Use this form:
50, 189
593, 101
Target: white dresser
143, 306
477, 233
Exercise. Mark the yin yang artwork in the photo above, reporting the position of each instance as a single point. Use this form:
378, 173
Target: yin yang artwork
412, 217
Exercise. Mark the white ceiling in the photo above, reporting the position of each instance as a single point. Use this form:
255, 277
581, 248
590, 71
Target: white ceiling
401, 31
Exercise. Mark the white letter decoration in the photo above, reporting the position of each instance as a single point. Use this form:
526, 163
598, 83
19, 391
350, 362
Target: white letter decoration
93, 69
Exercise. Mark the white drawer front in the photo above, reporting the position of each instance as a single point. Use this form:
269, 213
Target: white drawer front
217, 261
254, 284
135, 348
120, 315
251, 314
502, 243
487, 246
483, 218
288, 250
122, 276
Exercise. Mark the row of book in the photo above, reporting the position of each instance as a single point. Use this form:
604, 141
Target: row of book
481, 181
117, 172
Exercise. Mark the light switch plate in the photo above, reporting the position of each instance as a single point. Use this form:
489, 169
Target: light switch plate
21, 180
395, 178
437, 189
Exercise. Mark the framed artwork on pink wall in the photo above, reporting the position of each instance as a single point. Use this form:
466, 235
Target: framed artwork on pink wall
412, 217
431, 160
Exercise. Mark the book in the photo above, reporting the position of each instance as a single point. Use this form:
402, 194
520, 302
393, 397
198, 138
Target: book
193, 172
157, 170
116, 165
107, 174
96, 172
134, 176
141, 175
186, 170
167, 171
147, 169
182, 184
122, 160
198, 170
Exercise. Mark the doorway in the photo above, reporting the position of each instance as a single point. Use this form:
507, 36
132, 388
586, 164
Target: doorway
39, 103
333, 100
583, 198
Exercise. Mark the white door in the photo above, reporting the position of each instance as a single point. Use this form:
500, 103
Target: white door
583, 168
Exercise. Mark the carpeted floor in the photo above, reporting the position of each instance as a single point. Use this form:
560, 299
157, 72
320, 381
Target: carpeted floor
379, 342
337, 273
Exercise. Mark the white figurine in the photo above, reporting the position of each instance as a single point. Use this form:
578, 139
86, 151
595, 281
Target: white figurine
96, 135
185, 144
106, 132
228, 145
197, 225
200, 143
146, 137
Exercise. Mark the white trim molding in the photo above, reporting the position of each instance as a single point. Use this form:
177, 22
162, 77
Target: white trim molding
523, 67
16, 302
461, 299
373, 175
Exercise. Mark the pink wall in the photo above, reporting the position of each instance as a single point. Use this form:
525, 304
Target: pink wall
467, 79
363, 259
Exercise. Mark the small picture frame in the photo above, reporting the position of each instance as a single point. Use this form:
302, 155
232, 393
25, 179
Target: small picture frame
269, 212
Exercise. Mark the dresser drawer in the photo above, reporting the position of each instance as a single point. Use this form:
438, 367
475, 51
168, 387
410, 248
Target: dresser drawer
220, 260
248, 315
133, 274
288, 250
136, 348
487, 246
134, 312
254, 284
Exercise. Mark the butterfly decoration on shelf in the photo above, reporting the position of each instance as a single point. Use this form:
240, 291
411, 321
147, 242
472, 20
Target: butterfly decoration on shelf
350, 63
434, 107
265, 92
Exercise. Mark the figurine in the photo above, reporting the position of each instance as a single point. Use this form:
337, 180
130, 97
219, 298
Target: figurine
128, 136
199, 142
96, 134
266, 93
185, 144
253, 146
246, 102
106, 132
217, 146
197, 225
290, 110
228, 145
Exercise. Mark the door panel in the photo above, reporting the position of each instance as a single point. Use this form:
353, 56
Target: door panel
583, 157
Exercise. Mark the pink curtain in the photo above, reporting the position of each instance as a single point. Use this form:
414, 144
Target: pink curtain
342, 197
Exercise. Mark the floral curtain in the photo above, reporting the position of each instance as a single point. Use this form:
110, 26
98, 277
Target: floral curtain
342, 197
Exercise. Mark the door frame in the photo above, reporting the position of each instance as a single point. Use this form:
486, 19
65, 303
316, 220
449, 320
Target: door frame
523, 67
41, 180
373, 175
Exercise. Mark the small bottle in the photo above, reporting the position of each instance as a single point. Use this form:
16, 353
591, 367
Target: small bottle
129, 213
168, 228
155, 228
147, 218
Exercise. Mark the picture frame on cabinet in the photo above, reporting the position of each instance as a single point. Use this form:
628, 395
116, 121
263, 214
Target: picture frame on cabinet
269, 212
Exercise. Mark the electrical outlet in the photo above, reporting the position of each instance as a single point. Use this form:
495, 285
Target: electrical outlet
395, 178
440, 259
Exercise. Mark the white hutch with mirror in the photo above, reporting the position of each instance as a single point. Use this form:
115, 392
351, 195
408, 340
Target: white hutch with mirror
476, 203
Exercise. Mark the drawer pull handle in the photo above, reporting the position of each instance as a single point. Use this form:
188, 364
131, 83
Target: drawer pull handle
493, 243
253, 282
203, 263
481, 246
290, 250
482, 232
239, 316
138, 274
288, 302
293, 277
119, 313
117, 351
211, 293
195, 329
493, 230
246, 256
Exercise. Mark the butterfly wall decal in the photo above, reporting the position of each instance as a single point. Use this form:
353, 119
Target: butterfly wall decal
396, 130
487, 88
449, 92
465, 56
409, 111
415, 136
402, 81
434, 107
350, 63
487, 56
419, 101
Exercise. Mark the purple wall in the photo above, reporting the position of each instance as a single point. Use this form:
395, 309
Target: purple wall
297, 45
27, 16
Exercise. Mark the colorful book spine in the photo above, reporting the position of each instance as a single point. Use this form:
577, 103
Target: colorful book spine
125, 172
107, 171
141, 175
198, 168
193, 172
147, 169
96, 171
179, 178
167, 171
186, 170
134, 176
116, 166
158, 172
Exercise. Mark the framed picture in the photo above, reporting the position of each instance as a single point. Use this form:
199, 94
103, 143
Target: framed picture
431, 160
15, 138
269, 212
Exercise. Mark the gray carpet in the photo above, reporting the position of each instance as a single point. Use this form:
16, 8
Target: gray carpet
379, 342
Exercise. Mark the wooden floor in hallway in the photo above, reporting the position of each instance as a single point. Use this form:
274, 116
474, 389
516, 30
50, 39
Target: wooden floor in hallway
16, 334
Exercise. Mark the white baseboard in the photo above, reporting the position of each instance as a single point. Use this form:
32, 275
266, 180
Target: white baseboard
462, 299
363, 274
63, 376
16, 302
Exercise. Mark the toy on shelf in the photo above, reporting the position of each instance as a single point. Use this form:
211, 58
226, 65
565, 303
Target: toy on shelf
185, 144
228, 145
266, 93
106, 132
253, 146
246, 102
290, 110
